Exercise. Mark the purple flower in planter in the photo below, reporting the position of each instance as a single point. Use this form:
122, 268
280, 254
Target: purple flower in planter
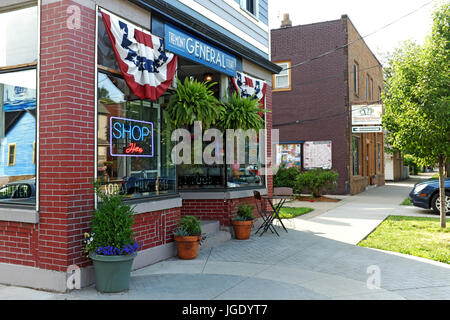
114, 251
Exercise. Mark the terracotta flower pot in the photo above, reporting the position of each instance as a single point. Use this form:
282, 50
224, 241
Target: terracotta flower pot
242, 229
187, 246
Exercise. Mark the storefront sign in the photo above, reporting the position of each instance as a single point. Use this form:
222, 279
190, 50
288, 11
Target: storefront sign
317, 154
368, 129
367, 114
187, 46
131, 138
289, 154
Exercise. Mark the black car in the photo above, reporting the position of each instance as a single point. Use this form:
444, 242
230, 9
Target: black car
20, 192
426, 195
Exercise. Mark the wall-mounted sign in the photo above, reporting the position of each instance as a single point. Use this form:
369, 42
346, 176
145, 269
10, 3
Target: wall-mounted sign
317, 154
289, 154
188, 46
367, 114
130, 138
368, 129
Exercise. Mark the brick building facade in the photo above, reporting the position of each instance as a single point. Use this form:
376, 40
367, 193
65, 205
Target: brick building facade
316, 104
40, 241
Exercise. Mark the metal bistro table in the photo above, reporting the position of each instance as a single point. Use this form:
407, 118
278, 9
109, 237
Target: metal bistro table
276, 210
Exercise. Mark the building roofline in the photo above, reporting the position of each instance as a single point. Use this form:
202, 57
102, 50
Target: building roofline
304, 25
344, 16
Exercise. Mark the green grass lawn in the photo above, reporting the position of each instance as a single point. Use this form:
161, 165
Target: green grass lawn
407, 202
417, 236
289, 213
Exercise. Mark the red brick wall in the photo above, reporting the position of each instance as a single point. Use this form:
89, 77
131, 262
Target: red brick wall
18, 243
156, 228
221, 210
67, 106
318, 89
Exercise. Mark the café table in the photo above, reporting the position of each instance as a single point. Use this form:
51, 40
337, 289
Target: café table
276, 207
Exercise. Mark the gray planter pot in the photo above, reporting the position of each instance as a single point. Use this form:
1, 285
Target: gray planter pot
112, 273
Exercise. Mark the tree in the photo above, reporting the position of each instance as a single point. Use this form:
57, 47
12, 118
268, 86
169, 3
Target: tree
417, 98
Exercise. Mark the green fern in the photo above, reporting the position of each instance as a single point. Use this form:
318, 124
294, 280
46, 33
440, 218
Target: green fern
193, 101
241, 113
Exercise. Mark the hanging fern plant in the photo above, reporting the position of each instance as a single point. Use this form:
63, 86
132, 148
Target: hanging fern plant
241, 113
193, 101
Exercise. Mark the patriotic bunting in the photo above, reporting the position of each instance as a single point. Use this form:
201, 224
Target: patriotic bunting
247, 86
148, 70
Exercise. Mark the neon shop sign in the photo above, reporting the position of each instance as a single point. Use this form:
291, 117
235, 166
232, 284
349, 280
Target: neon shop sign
130, 138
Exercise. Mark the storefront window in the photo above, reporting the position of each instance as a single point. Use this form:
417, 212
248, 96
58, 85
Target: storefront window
18, 37
379, 157
134, 150
106, 56
247, 174
356, 155
18, 137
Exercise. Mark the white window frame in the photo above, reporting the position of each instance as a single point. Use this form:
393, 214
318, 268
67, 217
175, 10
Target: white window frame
243, 4
356, 78
283, 64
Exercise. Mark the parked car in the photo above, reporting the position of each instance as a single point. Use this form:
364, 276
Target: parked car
426, 195
22, 192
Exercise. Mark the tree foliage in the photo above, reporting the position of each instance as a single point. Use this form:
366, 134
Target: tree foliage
417, 95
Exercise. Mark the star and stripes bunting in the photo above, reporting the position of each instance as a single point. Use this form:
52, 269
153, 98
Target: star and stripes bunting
147, 68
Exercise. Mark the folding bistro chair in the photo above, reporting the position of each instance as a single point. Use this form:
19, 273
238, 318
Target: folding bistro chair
265, 215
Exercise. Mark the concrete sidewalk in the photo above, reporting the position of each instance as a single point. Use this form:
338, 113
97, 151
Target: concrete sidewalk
353, 218
316, 259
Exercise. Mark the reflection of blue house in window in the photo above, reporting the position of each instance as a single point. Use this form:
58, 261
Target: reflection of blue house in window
22, 133
20, 128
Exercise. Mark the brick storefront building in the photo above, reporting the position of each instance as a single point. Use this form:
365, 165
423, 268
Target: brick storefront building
313, 98
59, 70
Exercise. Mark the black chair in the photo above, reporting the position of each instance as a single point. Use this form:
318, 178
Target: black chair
265, 215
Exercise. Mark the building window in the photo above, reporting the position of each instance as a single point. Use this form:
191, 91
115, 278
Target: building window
378, 157
356, 151
371, 89
367, 87
11, 154
133, 147
379, 94
282, 81
18, 61
250, 6
356, 78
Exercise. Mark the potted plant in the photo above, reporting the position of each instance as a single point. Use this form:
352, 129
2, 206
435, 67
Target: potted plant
187, 237
193, 101
110, 244
241, 113
243, 223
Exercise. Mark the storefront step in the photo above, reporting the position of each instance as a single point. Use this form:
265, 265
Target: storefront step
212, 234
210, 226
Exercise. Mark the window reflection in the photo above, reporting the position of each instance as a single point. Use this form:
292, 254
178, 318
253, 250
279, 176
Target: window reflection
18, 37
123, 122
18, 137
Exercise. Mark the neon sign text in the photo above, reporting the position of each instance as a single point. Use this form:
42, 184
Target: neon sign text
133, 148
130, 138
